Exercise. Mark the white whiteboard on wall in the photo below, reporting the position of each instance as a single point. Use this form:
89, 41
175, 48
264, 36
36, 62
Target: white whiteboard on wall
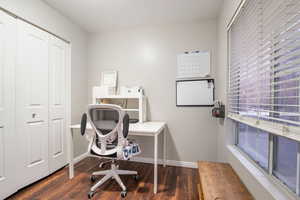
193, 65
195, 92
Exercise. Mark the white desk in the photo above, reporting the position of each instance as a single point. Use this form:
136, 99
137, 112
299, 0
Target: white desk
149, 129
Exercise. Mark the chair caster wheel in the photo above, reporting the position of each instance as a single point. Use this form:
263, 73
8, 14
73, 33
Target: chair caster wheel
93, 178
123, 194
102, 165
91, 194
136, 177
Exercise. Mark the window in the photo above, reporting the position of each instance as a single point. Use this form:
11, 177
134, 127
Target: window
264, 86
255, 143
285, 161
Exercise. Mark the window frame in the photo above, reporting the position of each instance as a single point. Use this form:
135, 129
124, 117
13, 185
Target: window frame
285, 132
269, 172
280, 131
237, 141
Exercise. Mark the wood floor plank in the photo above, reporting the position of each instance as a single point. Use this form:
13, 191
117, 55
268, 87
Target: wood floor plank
173, 183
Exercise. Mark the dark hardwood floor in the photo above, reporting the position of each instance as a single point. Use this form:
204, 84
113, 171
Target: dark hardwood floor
174, 183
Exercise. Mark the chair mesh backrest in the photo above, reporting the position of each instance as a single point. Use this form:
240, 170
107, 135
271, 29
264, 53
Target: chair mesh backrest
105, 120
109, 122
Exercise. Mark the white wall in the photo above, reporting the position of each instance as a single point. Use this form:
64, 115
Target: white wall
146, 56
226, 13
41, 14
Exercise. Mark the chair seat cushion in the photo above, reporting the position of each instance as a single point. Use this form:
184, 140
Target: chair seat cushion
114, 155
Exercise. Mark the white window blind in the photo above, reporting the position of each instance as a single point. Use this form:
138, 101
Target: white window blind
264, 78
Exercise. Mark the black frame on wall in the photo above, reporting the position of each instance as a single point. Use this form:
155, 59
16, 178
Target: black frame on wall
208, 80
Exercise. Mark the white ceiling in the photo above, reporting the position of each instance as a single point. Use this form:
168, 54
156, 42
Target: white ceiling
102, 15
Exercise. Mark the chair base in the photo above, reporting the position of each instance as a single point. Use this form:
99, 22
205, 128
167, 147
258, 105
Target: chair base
113, 173
102, 164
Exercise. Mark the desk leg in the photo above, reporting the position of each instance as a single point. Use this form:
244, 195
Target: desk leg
71, 155
165, 146
155, 164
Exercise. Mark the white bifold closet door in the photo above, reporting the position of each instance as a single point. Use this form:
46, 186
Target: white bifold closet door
8, 142
33, 104
32, 99
41, 102
57, 103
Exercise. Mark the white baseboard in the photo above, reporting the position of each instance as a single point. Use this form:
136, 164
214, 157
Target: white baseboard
149, 160
168, 162
80, 158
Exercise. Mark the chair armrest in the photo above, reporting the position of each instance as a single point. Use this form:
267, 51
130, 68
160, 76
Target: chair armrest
125, 125
83, 124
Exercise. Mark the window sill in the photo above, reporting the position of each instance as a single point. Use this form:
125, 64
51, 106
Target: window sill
273, 189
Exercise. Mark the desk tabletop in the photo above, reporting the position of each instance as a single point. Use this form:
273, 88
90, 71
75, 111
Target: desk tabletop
137, 128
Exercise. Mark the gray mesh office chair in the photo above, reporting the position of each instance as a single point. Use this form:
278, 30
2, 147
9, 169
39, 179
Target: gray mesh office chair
107, 140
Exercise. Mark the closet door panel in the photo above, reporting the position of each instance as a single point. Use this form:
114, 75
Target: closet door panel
2, 145
32, 101
35, 152
58, 129
57, 104
2, 107
8, 154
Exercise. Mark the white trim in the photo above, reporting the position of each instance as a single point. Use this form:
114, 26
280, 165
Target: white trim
68, 87
80, 158
291, 132
236, 14
31, 23
148, 160
68, 99
168, 162
274, 189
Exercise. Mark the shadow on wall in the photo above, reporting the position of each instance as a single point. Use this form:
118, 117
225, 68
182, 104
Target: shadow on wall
147, 146
147, 143
221, 122
80, 143
148, 109
171, 146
